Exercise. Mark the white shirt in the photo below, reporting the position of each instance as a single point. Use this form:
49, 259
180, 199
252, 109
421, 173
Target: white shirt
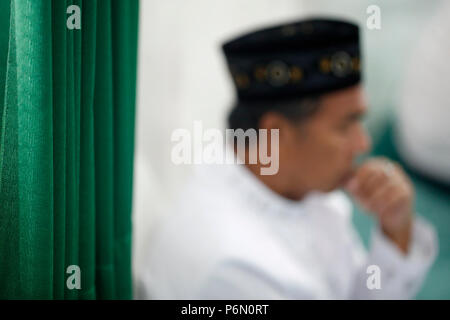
233, 238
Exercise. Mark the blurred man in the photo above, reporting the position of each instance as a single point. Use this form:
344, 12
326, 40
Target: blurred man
238, 234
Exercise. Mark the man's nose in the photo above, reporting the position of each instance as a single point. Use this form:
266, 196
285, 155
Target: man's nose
363, 142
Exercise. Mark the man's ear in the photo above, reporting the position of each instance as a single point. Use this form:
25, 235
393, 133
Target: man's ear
274, 120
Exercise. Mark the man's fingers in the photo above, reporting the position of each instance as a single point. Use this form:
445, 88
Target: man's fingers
385, 200
400, 196
367, 177
371, 183
380, 186
383, 194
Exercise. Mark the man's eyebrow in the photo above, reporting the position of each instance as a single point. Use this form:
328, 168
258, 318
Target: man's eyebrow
356, 116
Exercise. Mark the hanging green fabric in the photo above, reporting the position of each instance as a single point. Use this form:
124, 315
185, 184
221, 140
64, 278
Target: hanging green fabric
67, 113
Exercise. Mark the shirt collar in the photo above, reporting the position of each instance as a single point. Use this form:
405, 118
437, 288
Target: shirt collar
244, 182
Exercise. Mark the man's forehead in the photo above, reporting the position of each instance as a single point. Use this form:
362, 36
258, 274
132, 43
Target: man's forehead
344, 102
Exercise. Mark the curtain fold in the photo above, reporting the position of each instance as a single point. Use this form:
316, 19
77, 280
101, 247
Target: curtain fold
67, 112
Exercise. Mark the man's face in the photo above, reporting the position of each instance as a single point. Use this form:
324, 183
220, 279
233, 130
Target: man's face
318, 154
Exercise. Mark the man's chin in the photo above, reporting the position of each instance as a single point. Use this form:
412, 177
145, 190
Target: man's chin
337, 184
340, 184
331, 188
345, 179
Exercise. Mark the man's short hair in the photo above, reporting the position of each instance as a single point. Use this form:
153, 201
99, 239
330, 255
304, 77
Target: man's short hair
247, 115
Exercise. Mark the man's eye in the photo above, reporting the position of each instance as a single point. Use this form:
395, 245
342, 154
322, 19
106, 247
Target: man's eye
345, 126
351, 122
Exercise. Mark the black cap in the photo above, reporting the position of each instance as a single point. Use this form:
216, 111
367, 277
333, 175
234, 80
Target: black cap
295, 60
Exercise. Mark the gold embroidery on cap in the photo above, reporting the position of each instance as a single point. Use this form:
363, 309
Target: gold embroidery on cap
278, 74
242, 80
341, 64
296, 74
325, 65
260, 73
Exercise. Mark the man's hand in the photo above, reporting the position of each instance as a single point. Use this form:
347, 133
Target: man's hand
382, 187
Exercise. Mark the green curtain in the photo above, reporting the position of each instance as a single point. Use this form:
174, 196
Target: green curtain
67, 111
